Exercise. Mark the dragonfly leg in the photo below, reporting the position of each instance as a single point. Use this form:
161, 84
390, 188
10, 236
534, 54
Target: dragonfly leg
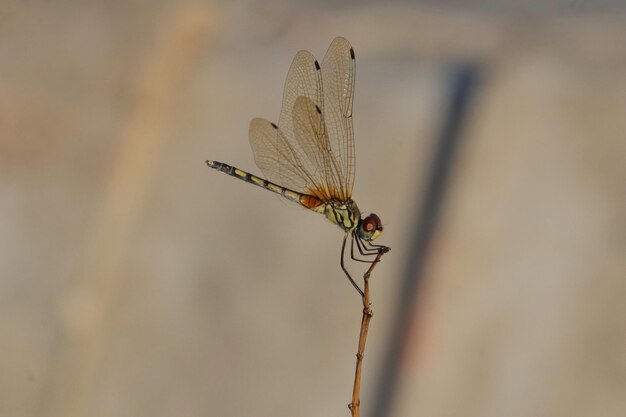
362, 250
363, 247
343, 248
374, 247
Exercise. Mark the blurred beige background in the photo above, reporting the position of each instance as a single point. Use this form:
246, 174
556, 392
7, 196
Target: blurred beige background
134, 281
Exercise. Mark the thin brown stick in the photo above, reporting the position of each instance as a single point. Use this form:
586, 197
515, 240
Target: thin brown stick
365, 323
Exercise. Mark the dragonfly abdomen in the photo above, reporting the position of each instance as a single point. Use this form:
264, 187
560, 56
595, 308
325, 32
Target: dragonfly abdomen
308, 201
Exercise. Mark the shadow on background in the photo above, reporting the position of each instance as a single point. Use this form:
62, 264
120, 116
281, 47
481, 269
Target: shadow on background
464, 84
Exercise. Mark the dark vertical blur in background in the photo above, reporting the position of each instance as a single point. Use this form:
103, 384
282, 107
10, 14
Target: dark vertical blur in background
134, 281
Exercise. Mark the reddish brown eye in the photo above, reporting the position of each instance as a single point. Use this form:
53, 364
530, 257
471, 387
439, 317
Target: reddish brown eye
370, 228
370, 223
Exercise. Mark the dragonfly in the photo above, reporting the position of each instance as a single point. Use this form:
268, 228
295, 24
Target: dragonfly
309, 157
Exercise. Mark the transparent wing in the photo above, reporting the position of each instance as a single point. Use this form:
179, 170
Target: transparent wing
278, 159
338, 70
310, 138
304, 79
311, 150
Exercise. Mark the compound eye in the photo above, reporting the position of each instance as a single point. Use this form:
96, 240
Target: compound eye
370, 227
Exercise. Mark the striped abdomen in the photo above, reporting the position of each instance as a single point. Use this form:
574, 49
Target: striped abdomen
308, 201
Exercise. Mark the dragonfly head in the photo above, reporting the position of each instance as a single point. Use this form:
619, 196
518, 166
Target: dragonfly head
369, 228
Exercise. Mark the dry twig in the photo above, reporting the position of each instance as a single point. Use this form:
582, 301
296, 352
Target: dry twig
365, 323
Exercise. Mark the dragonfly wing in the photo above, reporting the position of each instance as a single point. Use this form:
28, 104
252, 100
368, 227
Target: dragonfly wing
338, 70
279, 161
312, 143
304, 79
311, 150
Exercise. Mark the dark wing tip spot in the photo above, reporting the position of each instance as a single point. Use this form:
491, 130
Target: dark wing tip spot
351, 53
274, 125
317, 65
318, 109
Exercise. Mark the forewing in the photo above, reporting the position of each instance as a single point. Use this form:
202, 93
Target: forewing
338, 70
303, 80
288, 158
311, 142
311, 150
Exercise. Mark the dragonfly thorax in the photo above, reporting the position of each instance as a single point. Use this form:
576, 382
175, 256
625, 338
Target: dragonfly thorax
344, 214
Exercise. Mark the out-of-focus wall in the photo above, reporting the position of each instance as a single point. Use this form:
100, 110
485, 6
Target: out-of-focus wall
134, 281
